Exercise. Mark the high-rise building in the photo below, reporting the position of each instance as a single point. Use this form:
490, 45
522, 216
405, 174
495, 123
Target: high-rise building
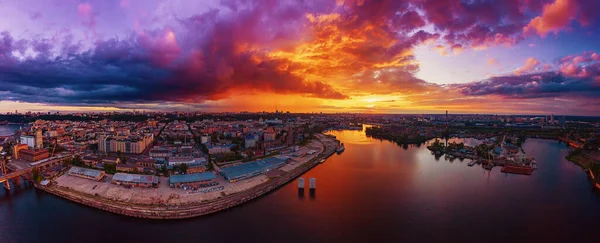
103, 144
39, 140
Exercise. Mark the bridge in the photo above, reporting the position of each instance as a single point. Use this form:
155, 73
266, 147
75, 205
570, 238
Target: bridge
6, 177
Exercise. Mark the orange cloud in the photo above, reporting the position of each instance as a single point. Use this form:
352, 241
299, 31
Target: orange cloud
346, 51
581, 65
457, 49
441, 50
492, 62
555, 17
569, 69
530, 64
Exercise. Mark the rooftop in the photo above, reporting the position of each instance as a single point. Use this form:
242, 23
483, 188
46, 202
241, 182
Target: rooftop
124, 177
86, 172
205, 176
256, 167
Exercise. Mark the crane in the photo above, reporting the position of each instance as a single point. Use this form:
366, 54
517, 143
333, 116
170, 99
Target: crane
54, 148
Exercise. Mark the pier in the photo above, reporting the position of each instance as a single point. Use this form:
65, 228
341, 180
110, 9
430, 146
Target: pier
312, 183
15, 175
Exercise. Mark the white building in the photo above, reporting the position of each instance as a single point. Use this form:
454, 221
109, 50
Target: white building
220, 149
51, 134
204, 139
29, 140
179, 160
274, 121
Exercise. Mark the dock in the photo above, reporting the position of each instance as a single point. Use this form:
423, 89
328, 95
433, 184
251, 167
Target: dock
312, 183
300, 183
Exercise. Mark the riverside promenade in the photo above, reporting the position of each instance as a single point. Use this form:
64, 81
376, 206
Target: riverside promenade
193, 209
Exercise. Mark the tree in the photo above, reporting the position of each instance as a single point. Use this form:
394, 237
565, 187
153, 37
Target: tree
164, 170
482, 150
93, 147
37, 177
110, 168
77, 161
214, 138
595, 169
183, 168
68, 162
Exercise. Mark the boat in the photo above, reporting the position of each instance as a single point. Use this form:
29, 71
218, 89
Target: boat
489, 166
517, 169
340, 148
473, 162
321, 161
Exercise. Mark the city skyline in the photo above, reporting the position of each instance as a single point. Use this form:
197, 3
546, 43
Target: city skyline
411, 57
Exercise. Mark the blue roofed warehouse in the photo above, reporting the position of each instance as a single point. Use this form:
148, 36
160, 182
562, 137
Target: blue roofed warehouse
193, 180
251, 169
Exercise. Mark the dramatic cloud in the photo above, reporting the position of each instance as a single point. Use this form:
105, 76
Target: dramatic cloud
584, 65
537, 85
151, 66
124, 53
558, 15
530, 64
578, 77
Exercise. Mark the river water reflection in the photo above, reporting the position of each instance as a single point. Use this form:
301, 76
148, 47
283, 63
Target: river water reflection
374, 190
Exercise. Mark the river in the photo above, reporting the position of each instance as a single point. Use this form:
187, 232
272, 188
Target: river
8, 129
373, 191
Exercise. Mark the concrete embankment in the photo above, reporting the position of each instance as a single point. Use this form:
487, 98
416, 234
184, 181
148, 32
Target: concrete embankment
593, 179
188, 210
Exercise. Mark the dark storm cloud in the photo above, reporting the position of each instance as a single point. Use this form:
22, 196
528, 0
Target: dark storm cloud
152, 67
549, 84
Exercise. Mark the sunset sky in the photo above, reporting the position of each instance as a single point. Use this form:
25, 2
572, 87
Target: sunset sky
374, 56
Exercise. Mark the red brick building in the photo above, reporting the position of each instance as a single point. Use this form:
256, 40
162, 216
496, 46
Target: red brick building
33, 155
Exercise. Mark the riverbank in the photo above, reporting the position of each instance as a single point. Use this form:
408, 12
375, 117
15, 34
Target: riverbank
583, 158
586, 159
191, 209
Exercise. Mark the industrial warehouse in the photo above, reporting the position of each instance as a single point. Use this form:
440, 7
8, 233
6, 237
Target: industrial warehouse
193, 180
251, 169
96, 175
131, 180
